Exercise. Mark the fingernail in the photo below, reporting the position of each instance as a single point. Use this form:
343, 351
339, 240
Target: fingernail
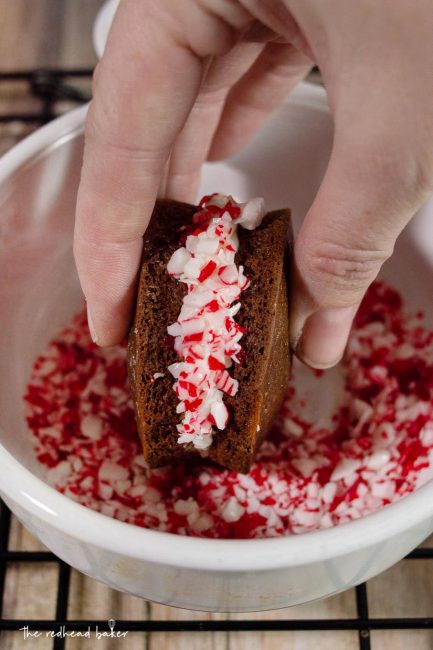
324, 337
91, 326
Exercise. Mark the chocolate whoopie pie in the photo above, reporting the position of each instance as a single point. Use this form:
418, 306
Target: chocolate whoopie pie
263, 372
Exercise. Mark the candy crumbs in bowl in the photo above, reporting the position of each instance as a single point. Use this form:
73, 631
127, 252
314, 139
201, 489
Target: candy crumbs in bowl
367, 445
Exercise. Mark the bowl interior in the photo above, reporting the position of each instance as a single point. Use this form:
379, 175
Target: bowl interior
40, 291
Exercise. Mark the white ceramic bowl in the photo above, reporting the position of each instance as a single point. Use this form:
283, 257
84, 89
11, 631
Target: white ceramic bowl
102, 25
39, 291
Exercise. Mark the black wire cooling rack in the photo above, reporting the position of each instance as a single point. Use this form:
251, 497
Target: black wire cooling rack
51, 87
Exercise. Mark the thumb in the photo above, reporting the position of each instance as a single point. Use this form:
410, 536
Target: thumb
370, 191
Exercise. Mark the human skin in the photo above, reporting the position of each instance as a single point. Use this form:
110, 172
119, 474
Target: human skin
186, 81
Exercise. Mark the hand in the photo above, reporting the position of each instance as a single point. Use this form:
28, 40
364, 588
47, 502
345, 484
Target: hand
182, 82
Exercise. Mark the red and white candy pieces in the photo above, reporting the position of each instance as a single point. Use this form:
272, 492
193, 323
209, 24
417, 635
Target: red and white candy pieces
206, 334
306, 476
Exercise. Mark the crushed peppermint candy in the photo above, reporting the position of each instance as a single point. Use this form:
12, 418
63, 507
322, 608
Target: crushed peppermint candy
308, 475
206, 335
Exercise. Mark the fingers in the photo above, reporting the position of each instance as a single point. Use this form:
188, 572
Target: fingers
144, 89
192, 145
381, 165
370, 191
262, 89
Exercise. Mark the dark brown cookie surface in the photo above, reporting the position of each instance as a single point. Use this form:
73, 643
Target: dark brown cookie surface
264, 254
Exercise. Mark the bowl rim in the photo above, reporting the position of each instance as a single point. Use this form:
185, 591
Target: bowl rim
35, 496
102, 25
